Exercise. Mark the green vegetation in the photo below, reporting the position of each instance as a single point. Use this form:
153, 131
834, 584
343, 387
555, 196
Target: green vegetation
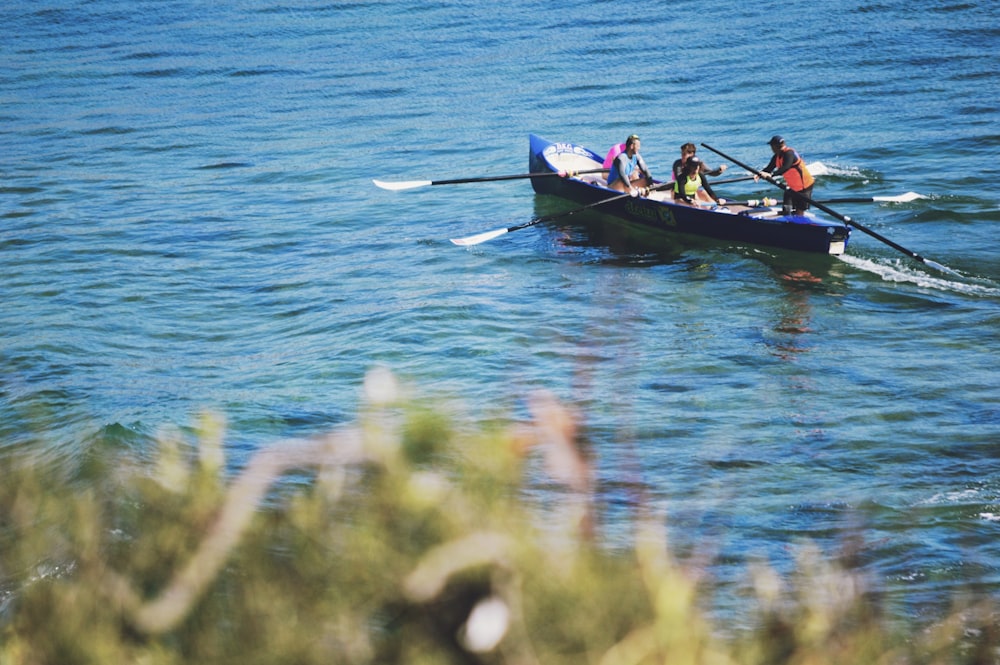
411, 543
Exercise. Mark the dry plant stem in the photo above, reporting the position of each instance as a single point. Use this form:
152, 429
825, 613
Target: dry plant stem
553, 424
164, 612
431, 576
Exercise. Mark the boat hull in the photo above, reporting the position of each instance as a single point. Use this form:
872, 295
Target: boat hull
760, 226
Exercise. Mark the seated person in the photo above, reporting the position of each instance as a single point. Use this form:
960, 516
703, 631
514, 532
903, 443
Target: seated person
628, 170
692, 186
689, 150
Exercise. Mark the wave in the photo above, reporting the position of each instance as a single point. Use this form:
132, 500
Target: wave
896, 270
822, 168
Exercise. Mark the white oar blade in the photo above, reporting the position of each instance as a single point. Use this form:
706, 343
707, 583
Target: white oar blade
942, 268
406, 184
476, 239
902, 198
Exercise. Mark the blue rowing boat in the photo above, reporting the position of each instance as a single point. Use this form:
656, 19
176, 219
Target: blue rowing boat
759, 224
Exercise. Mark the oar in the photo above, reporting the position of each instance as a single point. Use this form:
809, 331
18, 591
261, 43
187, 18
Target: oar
490, 235
751, 203
843, 218
728, 180
413, 184
902, 198
750, 177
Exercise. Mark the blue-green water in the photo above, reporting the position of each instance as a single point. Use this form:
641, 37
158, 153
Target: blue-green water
188, 222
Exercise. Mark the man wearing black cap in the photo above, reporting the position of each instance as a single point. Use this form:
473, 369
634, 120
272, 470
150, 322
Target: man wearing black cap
789, 164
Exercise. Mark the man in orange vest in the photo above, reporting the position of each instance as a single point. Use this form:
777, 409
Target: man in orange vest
790, 165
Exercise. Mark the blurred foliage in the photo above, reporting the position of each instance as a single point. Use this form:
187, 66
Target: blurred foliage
412, 544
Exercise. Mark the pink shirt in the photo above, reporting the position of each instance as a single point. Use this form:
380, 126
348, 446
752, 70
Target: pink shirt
614, 152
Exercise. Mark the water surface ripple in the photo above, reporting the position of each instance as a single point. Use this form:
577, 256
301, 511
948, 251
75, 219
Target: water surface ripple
187, 221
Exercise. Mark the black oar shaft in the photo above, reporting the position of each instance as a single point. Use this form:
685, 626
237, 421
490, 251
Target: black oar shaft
729, 180
861, 199
460, 181
489, 235
573, 211
834, 213
872, 199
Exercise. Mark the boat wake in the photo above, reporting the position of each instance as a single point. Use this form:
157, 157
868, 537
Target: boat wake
900, 271
848, 172
818, 168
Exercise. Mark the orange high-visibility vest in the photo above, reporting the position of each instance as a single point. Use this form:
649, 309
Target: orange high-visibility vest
797, 177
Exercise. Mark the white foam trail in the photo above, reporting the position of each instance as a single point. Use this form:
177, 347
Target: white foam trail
853, 172
818, 168
952, 498
899, 271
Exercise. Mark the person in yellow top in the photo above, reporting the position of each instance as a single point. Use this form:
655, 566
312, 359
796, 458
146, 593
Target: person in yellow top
692, 186
787, 163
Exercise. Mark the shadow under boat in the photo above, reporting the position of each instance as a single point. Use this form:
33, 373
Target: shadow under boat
608, 239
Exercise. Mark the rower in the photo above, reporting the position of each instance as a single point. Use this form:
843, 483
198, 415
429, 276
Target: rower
692, 186
628, 170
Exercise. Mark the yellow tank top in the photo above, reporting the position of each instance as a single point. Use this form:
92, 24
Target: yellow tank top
691, 186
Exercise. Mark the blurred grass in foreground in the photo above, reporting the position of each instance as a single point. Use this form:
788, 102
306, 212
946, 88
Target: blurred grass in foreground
412, 545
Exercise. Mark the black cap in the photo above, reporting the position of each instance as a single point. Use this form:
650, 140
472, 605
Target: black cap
776, 140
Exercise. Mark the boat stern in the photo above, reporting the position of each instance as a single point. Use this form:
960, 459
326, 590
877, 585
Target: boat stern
839, 235
551, 157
